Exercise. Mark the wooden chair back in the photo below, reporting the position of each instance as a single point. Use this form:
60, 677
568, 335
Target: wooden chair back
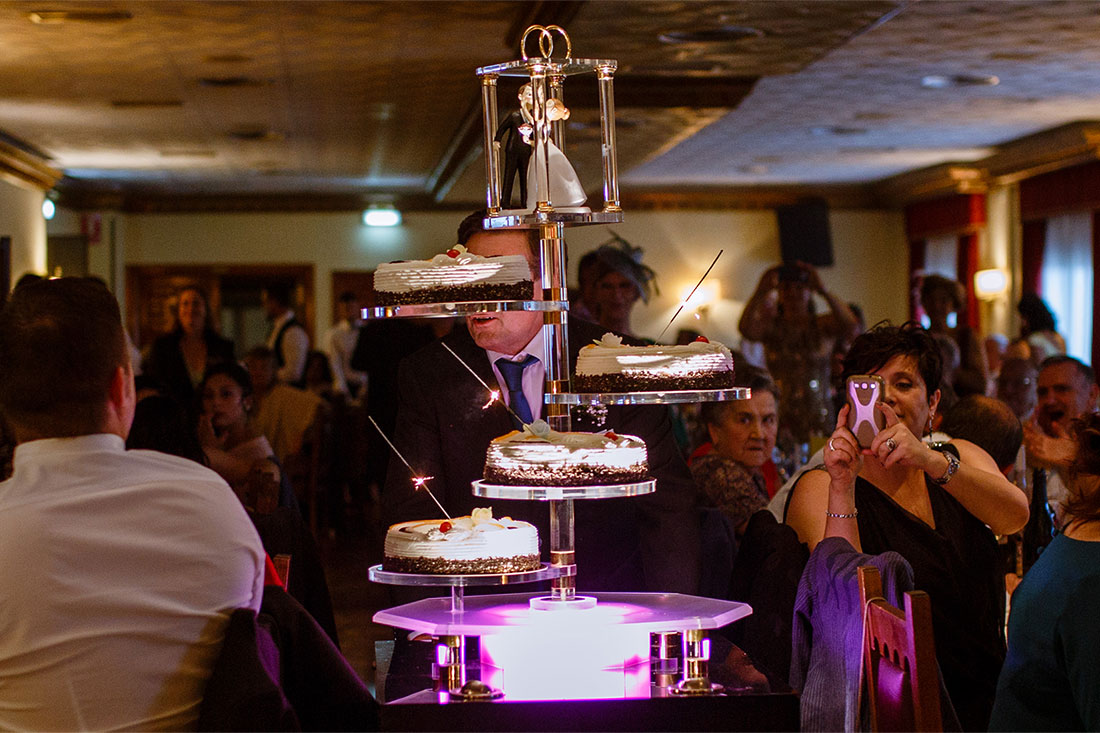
900, 672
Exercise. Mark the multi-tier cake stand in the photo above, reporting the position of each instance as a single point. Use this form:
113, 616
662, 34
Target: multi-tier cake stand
569, 627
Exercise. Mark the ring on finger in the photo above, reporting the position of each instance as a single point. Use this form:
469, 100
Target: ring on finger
831, 446
891, 444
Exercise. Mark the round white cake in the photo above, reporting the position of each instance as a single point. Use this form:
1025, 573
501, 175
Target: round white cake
609, 366
539, 456
455, 276
475, 544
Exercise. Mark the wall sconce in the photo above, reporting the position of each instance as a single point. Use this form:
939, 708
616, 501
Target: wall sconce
702, 299
988, 284
382, 216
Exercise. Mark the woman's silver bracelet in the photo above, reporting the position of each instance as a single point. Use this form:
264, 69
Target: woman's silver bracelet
834, 515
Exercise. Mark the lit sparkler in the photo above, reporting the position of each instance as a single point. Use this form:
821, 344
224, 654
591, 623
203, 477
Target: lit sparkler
685, 301
494, 395
419, 482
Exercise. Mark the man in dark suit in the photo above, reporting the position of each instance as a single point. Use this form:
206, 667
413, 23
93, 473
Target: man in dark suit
648, 543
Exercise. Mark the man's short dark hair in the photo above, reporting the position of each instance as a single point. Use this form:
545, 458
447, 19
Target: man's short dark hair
474, 223
60, 343
1079, 366
988, 423
871, 350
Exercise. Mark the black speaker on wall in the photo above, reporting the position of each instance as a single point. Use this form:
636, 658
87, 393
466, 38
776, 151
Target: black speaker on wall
804, 232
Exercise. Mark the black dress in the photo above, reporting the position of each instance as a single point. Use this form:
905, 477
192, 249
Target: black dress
165, 365
957, 565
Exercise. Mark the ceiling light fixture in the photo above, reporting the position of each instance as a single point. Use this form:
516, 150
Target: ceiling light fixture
53, 17
382, 216
708, 36
49, 209
952, 81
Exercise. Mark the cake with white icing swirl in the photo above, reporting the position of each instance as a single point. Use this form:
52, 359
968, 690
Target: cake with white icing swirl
452, 277
539, 456
471, 545
610, 366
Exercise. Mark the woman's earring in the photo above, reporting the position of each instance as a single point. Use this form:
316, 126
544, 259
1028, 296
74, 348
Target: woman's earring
931, 415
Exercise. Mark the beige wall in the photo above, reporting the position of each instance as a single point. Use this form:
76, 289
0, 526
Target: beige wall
21, 219
870, 250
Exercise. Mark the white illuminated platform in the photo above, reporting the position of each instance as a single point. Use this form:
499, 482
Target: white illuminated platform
551, 493
500, 614
462, 308
668, 397
546, 572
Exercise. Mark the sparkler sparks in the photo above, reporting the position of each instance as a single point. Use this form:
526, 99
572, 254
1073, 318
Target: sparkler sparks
494, 395
419, 482
704, 277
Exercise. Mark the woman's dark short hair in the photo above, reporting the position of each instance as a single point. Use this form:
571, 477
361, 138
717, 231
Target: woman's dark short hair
871, 350
1083, 497
932, 284
234, 371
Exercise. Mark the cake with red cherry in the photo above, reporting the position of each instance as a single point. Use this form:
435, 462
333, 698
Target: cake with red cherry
539, 456
476, 544
452, 277
610, 366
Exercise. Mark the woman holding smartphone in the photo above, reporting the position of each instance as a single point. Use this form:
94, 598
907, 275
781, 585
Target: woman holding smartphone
939, 506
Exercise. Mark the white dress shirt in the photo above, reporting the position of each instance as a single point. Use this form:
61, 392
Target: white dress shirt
340, 345
534, 376
294, 349
120, 569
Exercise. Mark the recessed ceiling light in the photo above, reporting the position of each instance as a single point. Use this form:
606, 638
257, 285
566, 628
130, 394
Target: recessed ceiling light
145, 103
948, 81
227, 58
722, 34
255, 134
52, 17
837, 130
223, 82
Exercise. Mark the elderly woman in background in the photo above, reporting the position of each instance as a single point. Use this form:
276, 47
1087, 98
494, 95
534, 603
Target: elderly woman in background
939, 506
179, 359
1051, 678
743, 435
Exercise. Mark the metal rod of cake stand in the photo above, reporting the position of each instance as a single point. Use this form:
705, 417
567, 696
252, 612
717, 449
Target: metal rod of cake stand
556, 360
458, 602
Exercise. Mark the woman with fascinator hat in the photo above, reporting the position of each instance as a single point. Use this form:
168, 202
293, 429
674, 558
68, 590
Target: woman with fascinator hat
620, 280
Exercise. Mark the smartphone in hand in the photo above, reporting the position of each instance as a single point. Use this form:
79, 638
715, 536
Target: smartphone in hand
864, 419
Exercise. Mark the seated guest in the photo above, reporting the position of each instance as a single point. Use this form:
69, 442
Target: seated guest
317, 377
179, 359
743, 435
280, 412
232, 446
124, 566
938, 506
1051, 675
989, 424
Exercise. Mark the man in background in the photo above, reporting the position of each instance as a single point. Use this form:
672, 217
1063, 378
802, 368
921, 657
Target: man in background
288, 338
121, 567
340, 345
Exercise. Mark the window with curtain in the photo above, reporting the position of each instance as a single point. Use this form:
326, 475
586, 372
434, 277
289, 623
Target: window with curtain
941, 258
1067, 282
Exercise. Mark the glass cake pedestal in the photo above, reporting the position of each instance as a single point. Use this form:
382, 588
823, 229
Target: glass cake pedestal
461, 308
451, 647
666, 397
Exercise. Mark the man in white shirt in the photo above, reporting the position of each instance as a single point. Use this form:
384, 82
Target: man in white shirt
288, 338
340, 345
121, 568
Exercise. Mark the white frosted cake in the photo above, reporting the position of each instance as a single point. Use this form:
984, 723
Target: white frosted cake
539, 456
454, 276
609, 366
462, 546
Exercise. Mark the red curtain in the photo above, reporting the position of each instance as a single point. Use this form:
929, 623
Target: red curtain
1031, 256
966, 266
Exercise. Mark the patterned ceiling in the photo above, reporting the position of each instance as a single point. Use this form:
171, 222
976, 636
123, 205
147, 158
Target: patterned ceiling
367, 100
